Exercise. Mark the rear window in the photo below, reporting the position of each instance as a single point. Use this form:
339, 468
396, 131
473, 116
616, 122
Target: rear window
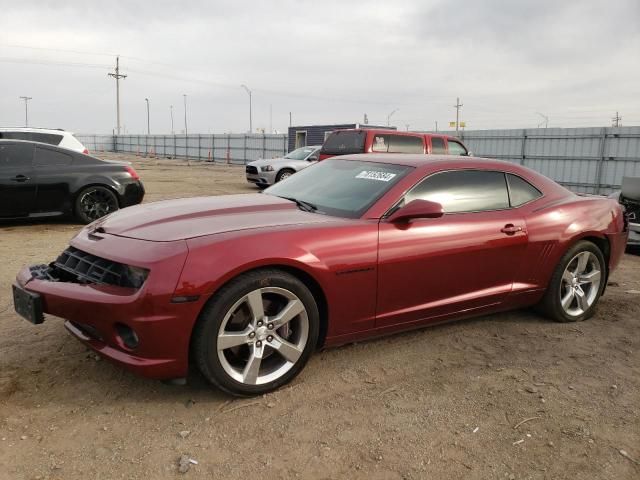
390, 143
344, 143
50, 138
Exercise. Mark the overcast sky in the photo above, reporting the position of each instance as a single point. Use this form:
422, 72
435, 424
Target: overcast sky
575, 61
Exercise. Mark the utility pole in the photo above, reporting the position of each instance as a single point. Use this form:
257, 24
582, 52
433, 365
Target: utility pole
26, 110
250, 119
457, 106
171, 112
289, 118
148, 127
436, 125
616, 120
389, 116
186, 132
270, 118
117, 75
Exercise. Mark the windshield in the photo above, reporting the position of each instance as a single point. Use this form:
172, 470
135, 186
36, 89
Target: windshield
344, 188
300, 153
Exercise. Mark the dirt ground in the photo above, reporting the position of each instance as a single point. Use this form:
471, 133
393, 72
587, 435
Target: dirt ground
509, 396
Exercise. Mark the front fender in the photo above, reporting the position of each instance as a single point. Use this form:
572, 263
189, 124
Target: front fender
342, 261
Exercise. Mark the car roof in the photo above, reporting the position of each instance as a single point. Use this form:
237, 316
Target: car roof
420, 160
34, 129
387, 131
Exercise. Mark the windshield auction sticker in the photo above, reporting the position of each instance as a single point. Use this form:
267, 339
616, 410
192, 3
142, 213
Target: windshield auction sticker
380, 176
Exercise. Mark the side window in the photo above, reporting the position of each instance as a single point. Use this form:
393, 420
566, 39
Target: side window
456, 148
397, 144
437, 146
521, 191
463, 191
16, 135
16, 155
46, 157
50, 138
380, 143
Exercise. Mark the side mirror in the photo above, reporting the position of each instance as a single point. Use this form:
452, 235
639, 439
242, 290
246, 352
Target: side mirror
469, 154
313, 158
417, 209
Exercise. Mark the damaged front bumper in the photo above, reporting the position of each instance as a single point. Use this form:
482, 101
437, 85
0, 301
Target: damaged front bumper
130, 320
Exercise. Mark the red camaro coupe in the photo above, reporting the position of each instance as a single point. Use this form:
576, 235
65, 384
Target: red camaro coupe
248, 286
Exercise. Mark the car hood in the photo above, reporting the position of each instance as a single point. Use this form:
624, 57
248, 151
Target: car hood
185, 218
268, 161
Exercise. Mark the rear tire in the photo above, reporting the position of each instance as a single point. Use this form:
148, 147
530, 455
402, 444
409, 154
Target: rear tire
95, 202
576, 284
257, 333
284, 173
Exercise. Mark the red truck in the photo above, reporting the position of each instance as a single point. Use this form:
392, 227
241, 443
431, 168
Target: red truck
344, 142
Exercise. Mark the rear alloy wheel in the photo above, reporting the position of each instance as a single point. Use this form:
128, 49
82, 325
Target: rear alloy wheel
95, 202
257, 333
576, 284
284, 173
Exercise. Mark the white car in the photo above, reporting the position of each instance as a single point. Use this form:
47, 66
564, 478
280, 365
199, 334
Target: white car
266, 172
59, 138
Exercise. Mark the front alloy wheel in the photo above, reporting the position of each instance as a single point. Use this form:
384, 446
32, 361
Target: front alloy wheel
257, 333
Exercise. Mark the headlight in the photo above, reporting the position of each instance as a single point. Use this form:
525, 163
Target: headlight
135, 276
267, 168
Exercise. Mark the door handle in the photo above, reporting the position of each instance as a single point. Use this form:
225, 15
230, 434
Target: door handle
20, 178
511, 229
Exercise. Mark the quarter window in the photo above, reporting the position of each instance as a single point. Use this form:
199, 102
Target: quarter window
386, 143
456, 148
463, 191
46, 157
521, 191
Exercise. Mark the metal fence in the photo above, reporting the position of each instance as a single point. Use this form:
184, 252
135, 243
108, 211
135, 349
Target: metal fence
228, 148
587, 160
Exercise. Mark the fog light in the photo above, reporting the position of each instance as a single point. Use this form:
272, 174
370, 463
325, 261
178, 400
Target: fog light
127, 335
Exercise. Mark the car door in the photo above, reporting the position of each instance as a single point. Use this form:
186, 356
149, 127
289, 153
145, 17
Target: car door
462, 261
53, 176
17, 182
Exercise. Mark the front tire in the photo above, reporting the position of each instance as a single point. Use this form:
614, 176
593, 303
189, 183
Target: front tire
576, 284
283, 174
95, 202
257, 333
